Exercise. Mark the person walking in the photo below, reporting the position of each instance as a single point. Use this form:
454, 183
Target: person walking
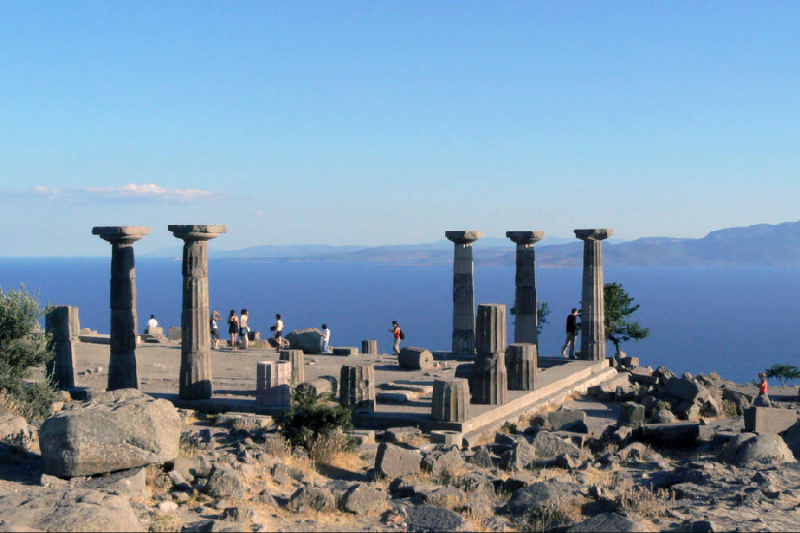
215, 318
762, 400
280, 342
233, 328
244, 330
398, 336
326, 339
572, 333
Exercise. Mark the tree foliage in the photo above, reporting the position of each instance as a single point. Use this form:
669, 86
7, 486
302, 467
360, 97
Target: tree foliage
618, 307
312, 417
23, 346
784, 373
542, 312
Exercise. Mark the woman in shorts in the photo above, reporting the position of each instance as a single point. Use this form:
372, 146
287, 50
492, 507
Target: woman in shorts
233, 328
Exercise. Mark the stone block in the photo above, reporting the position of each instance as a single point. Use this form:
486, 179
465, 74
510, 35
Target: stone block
682, 388
488, 381
357, 387
643, 375
308, 339
490, 329
568, 420
392, 461
369, 347
632, 413
298, 360
345, 350
274, 384
174, 333
678, 434
154, 331
321, 385
415, 358
521, 366
768, 420
450, 400
447, 438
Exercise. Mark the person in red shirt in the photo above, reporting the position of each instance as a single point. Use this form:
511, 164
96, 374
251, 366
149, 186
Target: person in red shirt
395, 329
762, 400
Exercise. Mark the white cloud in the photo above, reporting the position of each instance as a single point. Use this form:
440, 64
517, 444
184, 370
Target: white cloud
129, 192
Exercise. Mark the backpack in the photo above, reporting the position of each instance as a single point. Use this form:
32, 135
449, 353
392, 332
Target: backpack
402, 335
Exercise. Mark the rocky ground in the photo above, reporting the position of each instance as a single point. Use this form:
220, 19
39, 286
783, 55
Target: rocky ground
680, 462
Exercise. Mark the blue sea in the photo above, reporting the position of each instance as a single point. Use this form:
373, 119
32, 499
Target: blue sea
733, 320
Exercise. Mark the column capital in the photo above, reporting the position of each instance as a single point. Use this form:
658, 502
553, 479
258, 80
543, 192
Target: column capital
196, 232
525, 237
121, 234
463, 237
593, 234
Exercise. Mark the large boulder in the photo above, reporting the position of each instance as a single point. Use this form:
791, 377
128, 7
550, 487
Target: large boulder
609, 522
537, 497
749, 448
116, 430
308, 339
393, 461
27, 508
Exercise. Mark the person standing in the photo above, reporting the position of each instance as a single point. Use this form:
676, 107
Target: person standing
280, 342
572, 333
398, 335
326, 339
215, 318
233, 328
762, 400
244, 331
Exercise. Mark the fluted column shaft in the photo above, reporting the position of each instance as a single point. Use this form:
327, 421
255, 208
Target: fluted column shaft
122, 369
525, 303
195, 373
593, 336
463, 290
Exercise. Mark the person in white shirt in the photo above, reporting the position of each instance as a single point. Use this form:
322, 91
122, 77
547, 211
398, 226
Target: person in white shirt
152, 323
278, 329
326, 339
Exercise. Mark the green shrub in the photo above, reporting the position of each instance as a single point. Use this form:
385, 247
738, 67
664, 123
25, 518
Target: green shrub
23, 346
312, 417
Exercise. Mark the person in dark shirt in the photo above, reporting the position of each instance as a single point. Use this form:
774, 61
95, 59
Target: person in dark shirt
572, 333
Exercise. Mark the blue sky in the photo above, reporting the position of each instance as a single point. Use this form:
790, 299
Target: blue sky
388, 122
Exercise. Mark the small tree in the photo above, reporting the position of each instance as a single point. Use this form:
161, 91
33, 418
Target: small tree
312, 417
618, 306
784, 373
23, 346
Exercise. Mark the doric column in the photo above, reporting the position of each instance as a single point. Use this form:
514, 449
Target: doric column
463, 291
521, 366
593, 335
298, 360
525, 319
450, 400
274, 384
195, 374
490, 329
122, 372
357, 388
63, 325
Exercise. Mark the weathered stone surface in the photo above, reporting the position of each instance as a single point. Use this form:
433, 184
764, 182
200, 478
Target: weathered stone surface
225, 482
298, 360
490, 329
681, 434
321, 385
369, 347
310, 498
174, 333
682, 388
129, 483
115, 430
568, 420
440, 462
643, 375
521, 366
13, 428
749, 448
59, 509
192, 467
593, 338
308, 339
792, 439
548, 446
392, 461
740, 399
357, 387
536, 497
274, 383
63, 324
488, 380
768, 420
345, 350
631, 413
363, 499
415, 358
608, 522
447, 438
403, 434
424, 518
450, 400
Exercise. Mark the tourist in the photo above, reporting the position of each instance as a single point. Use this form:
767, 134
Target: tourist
762, 400
233, 328
152, 323
244, 331
572, 333
280, 342
215, 318
326, 339
398, 335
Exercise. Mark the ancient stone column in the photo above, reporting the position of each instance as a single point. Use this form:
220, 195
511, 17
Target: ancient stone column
122, 371
298, 360
593, 335
521, 361
369, 347
357, 387
450, 400
490, 329
195, 373
64, 327
273, 384
463, 291
525, 318
488, 380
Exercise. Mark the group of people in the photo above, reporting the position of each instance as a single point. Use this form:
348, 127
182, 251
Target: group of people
239, 330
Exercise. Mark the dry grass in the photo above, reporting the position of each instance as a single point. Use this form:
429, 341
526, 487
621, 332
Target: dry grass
547, 516
644, 501
9, 404
163, 523
190, 445
277, 446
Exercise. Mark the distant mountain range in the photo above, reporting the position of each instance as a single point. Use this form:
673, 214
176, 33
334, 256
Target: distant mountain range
762, 244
